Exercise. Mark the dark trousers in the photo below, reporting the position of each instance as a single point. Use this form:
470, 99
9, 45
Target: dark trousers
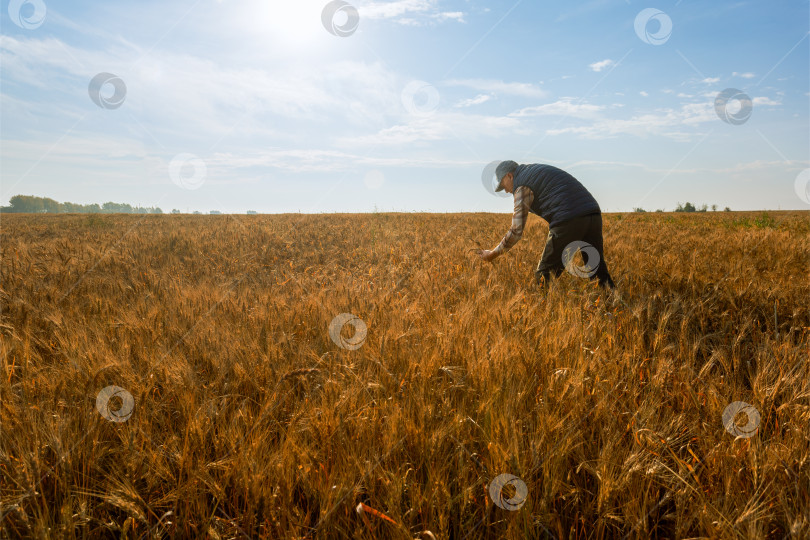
580, 229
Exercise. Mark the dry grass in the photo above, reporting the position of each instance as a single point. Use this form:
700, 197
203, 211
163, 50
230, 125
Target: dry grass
250, 422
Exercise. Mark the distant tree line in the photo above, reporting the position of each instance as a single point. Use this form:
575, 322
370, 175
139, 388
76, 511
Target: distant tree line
688, 207
33, 204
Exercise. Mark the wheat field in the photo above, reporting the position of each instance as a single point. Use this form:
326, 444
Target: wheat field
174, 376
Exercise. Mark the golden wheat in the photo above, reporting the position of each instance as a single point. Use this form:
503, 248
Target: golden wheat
250, 420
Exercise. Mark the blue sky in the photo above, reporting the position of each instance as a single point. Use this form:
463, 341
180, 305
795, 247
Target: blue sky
239, 105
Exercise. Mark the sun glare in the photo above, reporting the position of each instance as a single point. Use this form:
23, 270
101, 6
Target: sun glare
291, 23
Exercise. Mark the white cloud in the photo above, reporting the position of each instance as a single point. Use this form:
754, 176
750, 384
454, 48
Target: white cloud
409, 21
477, 100
408, 12
711, 80
455, 15
743, 75
563, 107
179, 96
390, 10
643, 93
499, 87
315, 160
666, 122
739, 168
436, 127
765, 101
599, 66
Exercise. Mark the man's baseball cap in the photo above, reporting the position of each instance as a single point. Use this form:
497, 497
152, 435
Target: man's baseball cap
504, 168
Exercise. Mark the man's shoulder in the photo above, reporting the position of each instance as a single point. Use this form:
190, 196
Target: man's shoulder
533, 171
536, 167
544, 170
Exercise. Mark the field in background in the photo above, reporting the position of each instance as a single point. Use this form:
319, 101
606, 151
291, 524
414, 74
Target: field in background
248, 420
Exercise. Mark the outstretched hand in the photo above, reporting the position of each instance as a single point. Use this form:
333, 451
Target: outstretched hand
486, 254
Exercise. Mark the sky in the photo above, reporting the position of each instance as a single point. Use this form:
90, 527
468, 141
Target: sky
315, 106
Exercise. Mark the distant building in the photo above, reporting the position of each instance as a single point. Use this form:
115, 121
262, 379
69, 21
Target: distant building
214, 212
252, 212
